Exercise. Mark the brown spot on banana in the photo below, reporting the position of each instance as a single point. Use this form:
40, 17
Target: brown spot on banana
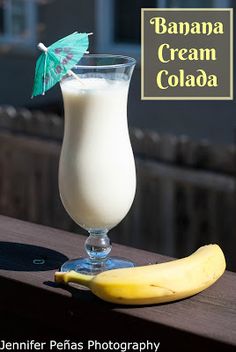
163, 288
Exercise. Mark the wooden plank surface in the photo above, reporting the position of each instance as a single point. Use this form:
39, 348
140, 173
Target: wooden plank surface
28, 294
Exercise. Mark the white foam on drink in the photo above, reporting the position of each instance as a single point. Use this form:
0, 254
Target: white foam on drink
74, 86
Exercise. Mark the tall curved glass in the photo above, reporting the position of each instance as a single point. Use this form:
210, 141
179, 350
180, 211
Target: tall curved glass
97, 178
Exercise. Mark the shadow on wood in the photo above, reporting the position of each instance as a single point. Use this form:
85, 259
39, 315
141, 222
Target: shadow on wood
26, 257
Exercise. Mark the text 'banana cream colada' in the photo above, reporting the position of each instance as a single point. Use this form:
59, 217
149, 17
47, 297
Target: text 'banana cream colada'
165, 53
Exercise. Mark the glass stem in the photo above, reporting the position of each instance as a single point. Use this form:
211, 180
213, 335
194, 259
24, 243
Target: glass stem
98, 246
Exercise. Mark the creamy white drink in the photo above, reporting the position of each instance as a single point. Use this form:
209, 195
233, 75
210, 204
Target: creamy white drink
97, 179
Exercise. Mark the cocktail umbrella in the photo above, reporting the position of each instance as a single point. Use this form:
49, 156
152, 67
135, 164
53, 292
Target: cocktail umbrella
57, 60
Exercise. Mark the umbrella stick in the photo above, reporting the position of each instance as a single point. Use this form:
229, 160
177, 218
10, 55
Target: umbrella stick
71, 73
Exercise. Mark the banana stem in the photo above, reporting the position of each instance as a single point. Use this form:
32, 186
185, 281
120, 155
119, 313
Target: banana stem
72, 276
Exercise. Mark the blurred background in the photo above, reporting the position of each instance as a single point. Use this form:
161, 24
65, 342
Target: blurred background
185, 151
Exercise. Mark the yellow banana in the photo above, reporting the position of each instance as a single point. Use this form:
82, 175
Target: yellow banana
155, 283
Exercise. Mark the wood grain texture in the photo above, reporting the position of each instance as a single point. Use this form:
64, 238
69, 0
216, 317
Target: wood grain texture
207, 321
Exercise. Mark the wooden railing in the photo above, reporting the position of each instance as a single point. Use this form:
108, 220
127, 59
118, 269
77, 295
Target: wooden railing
186, 192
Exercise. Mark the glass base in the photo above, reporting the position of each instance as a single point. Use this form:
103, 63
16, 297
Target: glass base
86, 266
